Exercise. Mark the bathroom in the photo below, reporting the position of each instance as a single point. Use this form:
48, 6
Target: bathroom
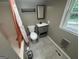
53, 15
49, 46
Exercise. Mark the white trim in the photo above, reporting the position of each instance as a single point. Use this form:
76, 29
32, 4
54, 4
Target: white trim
78, 29
70, 31
64, 21
65, 12
59, 48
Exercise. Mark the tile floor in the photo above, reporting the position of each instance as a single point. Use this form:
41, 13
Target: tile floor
45, 49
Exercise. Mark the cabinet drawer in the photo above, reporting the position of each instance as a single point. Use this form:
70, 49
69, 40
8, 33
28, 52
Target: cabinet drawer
43, 29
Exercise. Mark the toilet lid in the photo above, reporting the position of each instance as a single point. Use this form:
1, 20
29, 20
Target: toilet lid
33, 35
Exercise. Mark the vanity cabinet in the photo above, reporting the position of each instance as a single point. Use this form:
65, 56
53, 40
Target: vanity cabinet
41, 30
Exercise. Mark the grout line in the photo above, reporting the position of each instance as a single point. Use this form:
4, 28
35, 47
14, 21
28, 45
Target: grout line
59, 47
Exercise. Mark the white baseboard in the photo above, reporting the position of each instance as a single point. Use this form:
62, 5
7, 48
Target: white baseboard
59, 48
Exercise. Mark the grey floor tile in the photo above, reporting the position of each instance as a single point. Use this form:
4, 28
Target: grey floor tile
45, 49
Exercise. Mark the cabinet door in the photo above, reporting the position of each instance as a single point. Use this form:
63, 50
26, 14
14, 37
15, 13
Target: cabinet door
43, 29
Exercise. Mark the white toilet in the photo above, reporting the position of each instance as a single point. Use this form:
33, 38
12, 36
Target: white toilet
33, 35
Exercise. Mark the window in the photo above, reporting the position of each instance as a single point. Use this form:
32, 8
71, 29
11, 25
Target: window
70, 17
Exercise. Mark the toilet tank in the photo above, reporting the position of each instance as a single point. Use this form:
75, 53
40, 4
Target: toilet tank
31, 28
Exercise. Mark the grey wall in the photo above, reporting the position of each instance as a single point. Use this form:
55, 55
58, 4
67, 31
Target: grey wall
28, 18
6, 49
7, 32
54, 15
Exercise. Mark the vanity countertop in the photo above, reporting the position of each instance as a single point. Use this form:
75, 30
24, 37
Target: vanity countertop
43, 24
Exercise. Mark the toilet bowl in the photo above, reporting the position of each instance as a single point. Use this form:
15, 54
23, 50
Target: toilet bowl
33, 35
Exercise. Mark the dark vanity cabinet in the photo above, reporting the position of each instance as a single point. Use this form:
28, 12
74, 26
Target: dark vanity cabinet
41, 30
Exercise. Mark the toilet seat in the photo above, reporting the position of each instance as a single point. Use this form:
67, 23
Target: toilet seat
33, 35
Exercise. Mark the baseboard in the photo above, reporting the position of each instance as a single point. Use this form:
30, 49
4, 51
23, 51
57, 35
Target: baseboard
59, 48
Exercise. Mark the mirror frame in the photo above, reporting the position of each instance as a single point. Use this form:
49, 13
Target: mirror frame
41, 10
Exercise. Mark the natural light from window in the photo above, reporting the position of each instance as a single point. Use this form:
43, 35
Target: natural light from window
70, 22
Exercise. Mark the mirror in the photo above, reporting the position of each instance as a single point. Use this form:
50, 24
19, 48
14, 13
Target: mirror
40, 12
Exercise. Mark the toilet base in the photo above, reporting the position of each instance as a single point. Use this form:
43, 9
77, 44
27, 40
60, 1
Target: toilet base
34, 41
